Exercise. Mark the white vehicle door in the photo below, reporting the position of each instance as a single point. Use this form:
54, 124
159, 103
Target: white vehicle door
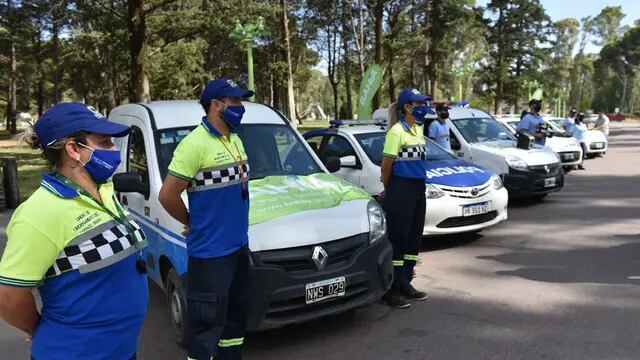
138, 146
338, 146
459, 146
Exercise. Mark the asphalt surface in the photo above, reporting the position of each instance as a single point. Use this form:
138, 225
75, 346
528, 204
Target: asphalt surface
558, 280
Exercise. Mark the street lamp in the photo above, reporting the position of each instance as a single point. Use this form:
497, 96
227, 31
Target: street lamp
247, 34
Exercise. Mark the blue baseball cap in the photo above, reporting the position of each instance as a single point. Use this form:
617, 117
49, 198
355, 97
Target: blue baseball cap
221, 88
410, 95
65, 119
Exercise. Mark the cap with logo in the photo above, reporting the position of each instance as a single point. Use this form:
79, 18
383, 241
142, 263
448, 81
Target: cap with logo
410, 95
65, 119
221, 88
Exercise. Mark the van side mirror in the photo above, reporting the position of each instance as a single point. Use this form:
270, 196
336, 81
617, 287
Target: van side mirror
332, 163
130, 182
455, 145
348, 161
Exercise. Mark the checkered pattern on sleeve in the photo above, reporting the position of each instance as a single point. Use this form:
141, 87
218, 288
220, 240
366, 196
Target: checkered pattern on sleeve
220, 176
417, 152
98, 248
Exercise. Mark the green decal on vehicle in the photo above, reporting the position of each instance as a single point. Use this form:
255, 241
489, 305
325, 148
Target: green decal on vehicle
277, 196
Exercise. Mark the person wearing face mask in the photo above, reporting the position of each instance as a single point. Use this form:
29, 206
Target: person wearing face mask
403, 171
532, 123
73, 241
439, 129
211, 164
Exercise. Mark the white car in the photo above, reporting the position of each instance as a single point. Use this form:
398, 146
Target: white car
317, 244
478, 138
461, 197
567, 147
595, 140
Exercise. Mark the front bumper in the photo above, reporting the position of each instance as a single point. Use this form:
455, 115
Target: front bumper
444, 215
596, 147
279, 278
570, 158
529, 183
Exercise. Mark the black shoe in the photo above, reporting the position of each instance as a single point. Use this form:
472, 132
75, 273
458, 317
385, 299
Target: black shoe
581, 167
412, 294
397, 301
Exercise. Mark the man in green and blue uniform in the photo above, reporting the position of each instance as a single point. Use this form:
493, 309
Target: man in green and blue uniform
211, 164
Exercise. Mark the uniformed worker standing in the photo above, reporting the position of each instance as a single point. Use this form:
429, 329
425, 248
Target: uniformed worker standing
73, 241
403, 176
532, 123
439, 129
211, 164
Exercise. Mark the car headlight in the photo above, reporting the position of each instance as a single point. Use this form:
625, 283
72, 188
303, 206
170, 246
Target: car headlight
497, 182
377, 222
516, 163
433, 192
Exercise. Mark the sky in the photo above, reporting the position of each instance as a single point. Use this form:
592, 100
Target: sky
560, 9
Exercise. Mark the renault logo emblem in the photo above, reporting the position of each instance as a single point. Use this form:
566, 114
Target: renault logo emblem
546, 168
475, 191
319, 257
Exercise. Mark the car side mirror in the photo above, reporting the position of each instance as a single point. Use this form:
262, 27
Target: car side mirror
455, 146
332, 163
348, 161
130, 182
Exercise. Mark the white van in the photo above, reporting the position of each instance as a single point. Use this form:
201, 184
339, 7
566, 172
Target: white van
482, 140
318, 244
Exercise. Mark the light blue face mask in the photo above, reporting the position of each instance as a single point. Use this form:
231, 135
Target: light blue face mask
102, 163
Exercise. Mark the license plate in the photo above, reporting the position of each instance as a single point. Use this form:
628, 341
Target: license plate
599, 145
550, 182
326, 289
476, 209
568, 157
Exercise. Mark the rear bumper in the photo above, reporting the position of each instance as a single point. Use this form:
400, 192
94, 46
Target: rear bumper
278, 296
522, 184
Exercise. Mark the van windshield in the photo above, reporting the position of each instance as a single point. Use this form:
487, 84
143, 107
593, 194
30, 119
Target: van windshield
476, 130
272, 150
373, 143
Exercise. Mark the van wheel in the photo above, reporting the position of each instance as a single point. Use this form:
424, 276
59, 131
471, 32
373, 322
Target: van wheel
177, 306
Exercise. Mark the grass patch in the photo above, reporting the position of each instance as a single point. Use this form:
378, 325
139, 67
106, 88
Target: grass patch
30, 168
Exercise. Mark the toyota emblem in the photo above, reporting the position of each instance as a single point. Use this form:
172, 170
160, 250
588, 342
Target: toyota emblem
475, 191
319, 257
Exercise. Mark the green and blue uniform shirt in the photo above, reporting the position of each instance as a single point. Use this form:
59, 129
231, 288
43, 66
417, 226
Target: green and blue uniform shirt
82, 258
407, 146
214, 165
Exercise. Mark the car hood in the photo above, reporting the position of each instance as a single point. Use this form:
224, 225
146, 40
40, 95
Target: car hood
537, 155
456, 173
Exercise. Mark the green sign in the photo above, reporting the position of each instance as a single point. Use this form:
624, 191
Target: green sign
370, 84
277, 196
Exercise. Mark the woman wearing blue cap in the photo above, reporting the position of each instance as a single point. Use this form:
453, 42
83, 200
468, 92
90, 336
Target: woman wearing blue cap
73, 241
403, 176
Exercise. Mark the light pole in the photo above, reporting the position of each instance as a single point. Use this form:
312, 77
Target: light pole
247, 35
461, 73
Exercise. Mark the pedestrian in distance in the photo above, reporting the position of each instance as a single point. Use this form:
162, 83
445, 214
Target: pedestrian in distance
72, 240
579, 131
439, 129
211, 164
532, 123
569, 121
403, 171
602, 124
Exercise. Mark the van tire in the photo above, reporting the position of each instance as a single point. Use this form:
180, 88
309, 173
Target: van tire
176, 305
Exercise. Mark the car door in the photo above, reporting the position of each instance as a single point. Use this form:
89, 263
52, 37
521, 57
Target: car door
338, 146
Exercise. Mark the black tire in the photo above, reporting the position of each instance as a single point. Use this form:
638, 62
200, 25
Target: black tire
176, 305
540, 197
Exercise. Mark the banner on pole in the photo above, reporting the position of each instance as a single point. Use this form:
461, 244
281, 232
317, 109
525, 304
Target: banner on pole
370, 84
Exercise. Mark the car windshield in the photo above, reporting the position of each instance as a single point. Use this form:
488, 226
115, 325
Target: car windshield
271, 150
476, 130
373, 143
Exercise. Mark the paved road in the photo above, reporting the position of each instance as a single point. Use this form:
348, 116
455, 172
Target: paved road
559, 280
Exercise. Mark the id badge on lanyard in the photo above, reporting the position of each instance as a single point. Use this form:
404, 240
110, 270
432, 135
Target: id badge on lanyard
121, 218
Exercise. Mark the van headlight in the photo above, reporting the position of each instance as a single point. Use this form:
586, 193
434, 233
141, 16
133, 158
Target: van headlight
377, 222
433, 192
516, 163
497, 182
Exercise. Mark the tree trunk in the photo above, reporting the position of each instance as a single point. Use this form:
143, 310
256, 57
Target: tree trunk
290, 95
500, 65
136, 21
12, 89
39, 72
392, 84
378, 14
347, 69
